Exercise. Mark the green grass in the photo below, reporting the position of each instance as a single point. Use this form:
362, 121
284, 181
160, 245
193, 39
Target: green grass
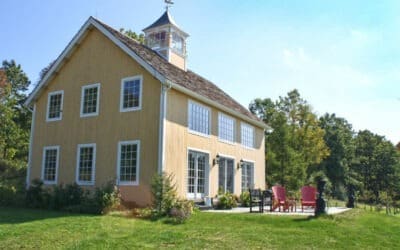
356, 229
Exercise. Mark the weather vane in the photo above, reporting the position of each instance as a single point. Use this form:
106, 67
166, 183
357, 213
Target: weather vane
168, 4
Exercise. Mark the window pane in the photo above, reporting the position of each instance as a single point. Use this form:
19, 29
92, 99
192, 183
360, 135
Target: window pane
226, 128
86, 164
131, 94
247, 135
128, 162
90, 96
199, 118
247, 176
50, 165
55, 106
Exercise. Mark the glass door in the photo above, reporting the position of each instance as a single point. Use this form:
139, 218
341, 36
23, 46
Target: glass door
197, 174
225, 175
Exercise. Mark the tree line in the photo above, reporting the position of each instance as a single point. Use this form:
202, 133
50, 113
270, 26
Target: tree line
300, 146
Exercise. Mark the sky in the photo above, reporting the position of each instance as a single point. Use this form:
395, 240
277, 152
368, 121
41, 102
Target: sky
342, 56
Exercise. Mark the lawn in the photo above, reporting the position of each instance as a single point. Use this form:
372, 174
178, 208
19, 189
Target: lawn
356, 229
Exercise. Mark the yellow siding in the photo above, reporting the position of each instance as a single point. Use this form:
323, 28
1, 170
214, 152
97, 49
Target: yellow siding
179, 140
177, 60
98, 60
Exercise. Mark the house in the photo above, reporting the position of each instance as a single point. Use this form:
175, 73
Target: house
110, 108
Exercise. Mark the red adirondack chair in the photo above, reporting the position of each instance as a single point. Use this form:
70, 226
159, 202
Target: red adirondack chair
280, 200
308, 197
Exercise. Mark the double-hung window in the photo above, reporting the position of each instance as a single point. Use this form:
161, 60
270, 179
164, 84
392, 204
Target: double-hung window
199, 119
226, 128
55, 106
247, 176
50, 164
131, 94
128, 162
86, 164
90, 100
247, 133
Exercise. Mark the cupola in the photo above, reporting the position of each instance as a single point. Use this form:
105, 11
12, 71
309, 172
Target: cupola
167, 39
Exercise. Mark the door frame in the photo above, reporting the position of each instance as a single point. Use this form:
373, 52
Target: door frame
227, 157
194, 196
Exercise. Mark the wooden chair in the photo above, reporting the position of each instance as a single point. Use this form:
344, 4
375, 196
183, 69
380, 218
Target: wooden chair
256, 199
308, 197
280, 199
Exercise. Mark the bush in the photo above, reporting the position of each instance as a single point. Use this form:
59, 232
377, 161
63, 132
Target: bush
37, 196
226, 201
107, 198
10, 196
245, 199
166, 201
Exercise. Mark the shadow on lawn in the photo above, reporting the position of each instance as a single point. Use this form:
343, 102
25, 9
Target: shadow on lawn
12, 215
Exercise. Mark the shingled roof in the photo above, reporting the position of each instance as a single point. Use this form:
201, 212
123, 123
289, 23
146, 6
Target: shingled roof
187, 79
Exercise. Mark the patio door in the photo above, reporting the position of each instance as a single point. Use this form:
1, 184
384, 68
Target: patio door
197, 174
226, 175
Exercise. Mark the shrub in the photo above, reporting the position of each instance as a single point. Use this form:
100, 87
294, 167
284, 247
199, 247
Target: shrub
226, 201
107, 198
245, 199
166, 201
37, 196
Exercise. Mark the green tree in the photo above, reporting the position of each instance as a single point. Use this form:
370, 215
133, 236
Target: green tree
339, 139
295, 144
129, 33
398, 146
376, 164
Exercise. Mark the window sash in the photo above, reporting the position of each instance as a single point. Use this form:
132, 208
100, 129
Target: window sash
50, 164
54, 106
128, 163
247, 134
86, 162
226, 128
199, 118
247, 176
131, 93
90, 100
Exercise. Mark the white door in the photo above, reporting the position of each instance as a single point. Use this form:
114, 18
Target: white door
225, 175
197, 175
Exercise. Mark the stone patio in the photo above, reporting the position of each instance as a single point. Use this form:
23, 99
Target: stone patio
298, 212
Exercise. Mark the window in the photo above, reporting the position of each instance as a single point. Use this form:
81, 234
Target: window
177, 43
247, 135
55, 106
247, 176
128, 162
157, 40
131, 93
86, 164
225, 175
199, 118
226, 128
50, 164
90, 100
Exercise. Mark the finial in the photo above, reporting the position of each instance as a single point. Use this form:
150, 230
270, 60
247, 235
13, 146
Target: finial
168, 4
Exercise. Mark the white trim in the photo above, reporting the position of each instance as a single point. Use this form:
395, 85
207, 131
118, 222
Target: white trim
198, 150
57, 164
128, 183
247, 160
190, 101
221, 114
206, 173
90, 86
78, 156
28, 169
61, 105
226, 156
73, 44
121, 96
161, 132
243, 124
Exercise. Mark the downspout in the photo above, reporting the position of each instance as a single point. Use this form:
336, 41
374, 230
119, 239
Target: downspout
161, 135
28, 169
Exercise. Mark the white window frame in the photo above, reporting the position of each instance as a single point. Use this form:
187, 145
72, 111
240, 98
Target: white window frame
128, 183
242, 125
78, 156
121, 97
189, 115
57, 164
95, 85
220, 115
61, 106
193, 196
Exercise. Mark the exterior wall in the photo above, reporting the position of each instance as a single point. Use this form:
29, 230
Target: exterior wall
179, 140
177, 60
98, 60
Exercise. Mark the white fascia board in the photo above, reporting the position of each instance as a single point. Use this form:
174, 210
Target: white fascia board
69, 49
217, 105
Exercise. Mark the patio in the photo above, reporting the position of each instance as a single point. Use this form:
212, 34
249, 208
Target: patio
298, 212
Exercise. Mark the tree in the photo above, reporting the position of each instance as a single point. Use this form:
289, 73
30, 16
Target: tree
14, 117
339, 139
129, 33
295, 143
398, 146
376, 164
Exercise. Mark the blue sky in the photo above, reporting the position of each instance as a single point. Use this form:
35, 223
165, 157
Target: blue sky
343, 57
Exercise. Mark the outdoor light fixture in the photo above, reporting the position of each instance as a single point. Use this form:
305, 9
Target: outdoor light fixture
240, 163
216, 160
